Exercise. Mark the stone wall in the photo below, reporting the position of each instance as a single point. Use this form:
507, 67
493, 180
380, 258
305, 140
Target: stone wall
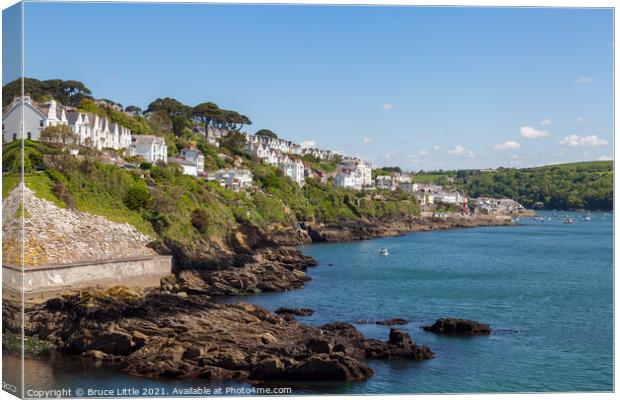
54, 235
142, 271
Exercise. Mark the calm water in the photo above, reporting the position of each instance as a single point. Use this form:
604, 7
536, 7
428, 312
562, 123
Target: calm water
545, 288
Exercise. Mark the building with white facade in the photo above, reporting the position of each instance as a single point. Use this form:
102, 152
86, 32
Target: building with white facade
36, 117
410, 187
353, 173
450, 198
196, 157
188, 167
92, 129
293, 169
349, 179
232, 179
385, 182
151, 148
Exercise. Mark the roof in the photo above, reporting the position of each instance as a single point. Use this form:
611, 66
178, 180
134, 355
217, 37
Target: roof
146, 139
181, 161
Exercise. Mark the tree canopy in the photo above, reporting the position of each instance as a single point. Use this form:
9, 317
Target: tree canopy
212, 116
69, 92
266, 132
587, 185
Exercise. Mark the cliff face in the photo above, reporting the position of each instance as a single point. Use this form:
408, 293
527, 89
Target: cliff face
54, 235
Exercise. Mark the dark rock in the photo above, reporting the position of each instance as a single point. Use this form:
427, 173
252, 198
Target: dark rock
456, 326
115, 342
158, 334
320, 346
332, 367
400, 345
394, 321
302, 312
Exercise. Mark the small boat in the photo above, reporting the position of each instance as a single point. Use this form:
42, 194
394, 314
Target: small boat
568, 220
384, 252
586, 218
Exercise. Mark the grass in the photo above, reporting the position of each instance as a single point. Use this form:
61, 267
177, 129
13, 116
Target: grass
39, 183
9, 182
428, 178
32, 346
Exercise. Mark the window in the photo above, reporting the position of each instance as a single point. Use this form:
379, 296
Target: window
15, 136
41, 123
29, 135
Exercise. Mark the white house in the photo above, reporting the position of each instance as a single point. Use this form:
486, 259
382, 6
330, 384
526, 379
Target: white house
293, 169
151, 148
233, 179
385, 182
349, 179
189, 168
450, 198
92, 129
354, 169
196, 157
424, 197
36, 117
410, 187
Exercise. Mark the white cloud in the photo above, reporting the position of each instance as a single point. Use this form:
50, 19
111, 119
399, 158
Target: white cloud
388, 106
516, 160
545, 122
435, 147
306, 144
460, 151
585, 141
579, 120
390, 155
605, 158
367, 140
412, 158
509, 145
529, 133
423, 152
584, 79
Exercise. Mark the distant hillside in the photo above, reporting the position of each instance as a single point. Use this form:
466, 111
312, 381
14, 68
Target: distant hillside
582, 185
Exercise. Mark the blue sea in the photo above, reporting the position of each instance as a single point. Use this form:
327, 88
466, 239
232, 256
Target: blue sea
546, 289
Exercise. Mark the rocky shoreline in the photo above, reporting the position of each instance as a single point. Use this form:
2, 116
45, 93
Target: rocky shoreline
347, 231
154, 333
178, 330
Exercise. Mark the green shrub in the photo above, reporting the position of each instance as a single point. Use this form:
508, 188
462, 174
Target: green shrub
200, 220
137, 197
61, 191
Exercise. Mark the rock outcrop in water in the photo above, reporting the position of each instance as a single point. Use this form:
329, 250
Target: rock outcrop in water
346, 231
456, 326
159, 334
267, 270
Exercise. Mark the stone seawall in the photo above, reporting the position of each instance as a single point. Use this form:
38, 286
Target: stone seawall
142, 271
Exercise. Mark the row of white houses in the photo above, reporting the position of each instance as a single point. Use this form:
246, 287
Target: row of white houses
93, 130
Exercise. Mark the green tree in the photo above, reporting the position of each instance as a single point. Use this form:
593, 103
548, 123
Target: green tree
61, 134
233, 140
266, 132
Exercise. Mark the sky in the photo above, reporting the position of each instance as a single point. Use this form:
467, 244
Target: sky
420, 88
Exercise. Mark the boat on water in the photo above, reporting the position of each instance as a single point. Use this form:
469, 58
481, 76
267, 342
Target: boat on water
568, 220
586, 218
384, 252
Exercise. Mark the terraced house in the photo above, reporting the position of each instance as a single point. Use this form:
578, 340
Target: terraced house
92, 129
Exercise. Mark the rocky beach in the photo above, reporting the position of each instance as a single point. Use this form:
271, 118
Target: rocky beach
179, 329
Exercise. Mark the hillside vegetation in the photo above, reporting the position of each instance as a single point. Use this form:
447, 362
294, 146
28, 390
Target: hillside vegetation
584, 185
188, 215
